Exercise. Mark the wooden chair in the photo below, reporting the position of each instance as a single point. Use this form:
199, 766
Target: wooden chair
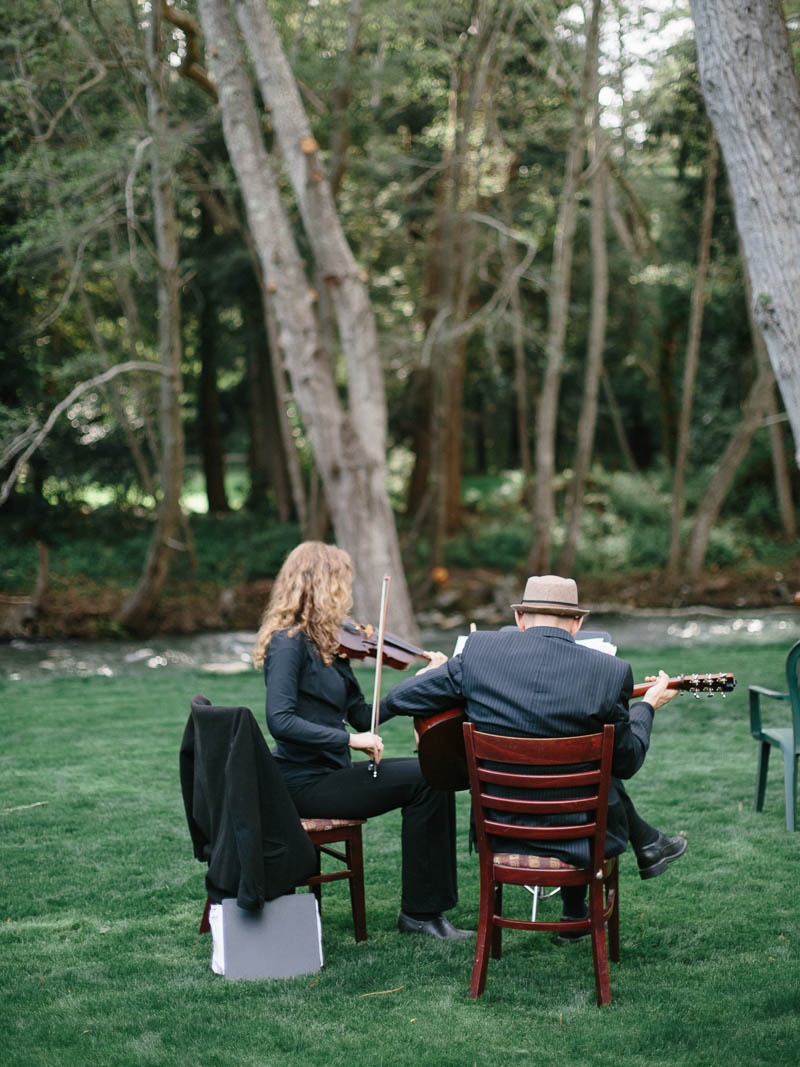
324, 833
581, 765
786, 738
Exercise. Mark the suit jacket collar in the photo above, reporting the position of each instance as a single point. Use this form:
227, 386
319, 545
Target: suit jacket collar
550, 631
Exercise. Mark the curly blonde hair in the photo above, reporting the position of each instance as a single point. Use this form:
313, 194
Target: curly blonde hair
313, 594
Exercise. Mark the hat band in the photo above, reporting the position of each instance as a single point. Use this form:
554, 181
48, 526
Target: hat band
556, 603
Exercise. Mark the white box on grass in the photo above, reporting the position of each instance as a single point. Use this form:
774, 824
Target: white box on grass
282, 940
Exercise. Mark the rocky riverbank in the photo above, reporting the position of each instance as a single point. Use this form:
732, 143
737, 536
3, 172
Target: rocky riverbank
83, 609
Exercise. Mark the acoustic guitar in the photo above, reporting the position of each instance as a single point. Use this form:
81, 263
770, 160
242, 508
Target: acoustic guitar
441, 741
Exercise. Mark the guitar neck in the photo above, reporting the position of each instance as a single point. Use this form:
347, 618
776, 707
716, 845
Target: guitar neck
693, 683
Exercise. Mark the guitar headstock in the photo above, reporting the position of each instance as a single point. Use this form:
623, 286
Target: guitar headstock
703, 683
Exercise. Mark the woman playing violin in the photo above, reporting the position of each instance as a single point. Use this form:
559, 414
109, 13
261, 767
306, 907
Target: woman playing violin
312, 697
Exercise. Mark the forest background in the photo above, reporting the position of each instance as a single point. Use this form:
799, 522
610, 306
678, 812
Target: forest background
459, 285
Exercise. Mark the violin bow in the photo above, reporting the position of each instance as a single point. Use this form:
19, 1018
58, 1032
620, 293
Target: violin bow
376, 695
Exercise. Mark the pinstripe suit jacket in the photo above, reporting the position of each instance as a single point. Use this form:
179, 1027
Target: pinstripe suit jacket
539, 683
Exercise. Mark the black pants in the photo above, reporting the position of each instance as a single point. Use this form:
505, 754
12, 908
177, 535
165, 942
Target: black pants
429, 823
640, 834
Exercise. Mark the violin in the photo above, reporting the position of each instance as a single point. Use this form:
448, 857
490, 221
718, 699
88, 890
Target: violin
357, 641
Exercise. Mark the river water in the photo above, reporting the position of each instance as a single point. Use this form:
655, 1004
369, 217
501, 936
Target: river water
230, 652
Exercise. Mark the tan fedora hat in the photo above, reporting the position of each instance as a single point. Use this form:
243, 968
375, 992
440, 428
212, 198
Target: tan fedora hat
547, 594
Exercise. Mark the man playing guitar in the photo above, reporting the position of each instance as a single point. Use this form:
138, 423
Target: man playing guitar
537, 681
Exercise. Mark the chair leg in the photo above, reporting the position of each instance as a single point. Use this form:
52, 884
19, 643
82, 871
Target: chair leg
355, 863
316, 889
497, 931
613, 919
761, 775
205, 925
602, 977
790, 789
485, 924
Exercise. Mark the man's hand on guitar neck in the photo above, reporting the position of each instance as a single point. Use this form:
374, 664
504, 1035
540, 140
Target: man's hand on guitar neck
659, 692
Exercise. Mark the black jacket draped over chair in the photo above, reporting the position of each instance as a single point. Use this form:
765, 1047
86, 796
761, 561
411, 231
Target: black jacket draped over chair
241, 817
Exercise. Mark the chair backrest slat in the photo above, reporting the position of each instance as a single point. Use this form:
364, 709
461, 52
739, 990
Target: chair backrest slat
569, 832
524, 806
555, 750
538, 781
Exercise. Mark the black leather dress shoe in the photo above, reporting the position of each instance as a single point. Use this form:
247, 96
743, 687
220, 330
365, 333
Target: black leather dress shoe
655, 858
567, 937
439, 927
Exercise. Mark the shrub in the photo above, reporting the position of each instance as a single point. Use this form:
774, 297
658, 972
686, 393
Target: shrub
501, 545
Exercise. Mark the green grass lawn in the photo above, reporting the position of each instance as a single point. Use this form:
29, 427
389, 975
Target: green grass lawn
100, 900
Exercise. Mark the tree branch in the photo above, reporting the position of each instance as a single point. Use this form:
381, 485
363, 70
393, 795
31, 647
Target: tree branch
16, 444
130, 211
52, 315
82, 88
81, 387
190, 67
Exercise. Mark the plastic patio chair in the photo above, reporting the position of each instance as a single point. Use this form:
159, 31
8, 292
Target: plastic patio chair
786, 738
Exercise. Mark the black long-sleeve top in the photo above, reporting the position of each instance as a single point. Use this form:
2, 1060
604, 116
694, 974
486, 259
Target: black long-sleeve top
308, 707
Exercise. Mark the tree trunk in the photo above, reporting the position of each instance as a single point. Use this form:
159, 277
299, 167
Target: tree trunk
345, 282
783, 483
267, 458
143, 390
349, 445
115, 399
268, 417
450, 271
521, 383
597, 328
558, 310
42, 585
760, 400
692, 359
138, 608
717, 488
280, 390
340, 100
418, 496
752, 93
618, 422
212, 447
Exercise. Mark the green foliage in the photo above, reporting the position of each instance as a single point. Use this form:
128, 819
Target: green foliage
101, 962
623, 529
493, 494
241, 546
108, 547
491, 544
